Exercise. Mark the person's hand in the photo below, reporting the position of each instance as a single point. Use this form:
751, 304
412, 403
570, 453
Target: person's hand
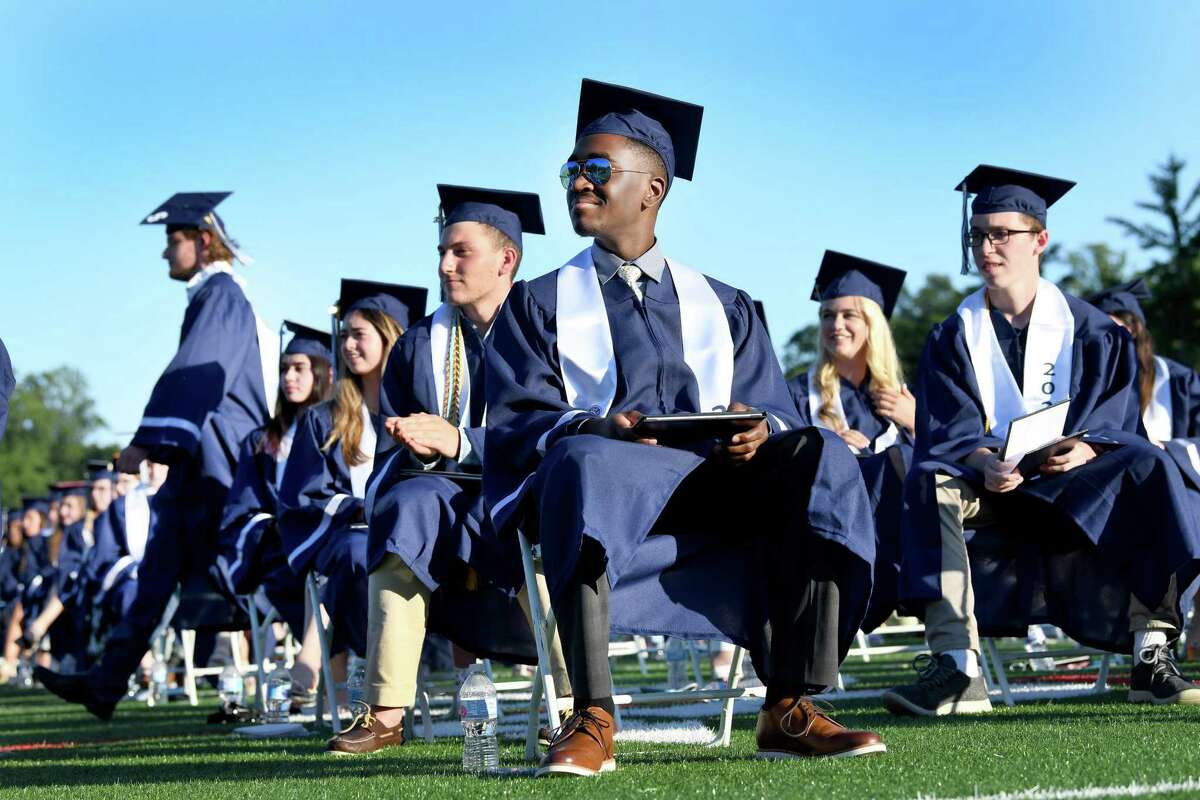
618, 425
855, 439
1067, 457
1158, 444
741, 447
426, 436
1000, 477
900, 407
131, 458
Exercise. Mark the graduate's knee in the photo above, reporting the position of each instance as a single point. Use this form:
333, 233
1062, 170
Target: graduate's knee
575, 454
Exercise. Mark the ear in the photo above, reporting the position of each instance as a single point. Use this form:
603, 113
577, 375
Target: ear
1041, 242
655, 192
508, 262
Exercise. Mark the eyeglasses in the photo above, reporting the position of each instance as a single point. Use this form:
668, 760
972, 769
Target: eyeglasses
995, 236
598, 171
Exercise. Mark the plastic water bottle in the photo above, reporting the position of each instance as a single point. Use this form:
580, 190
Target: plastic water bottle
676, 663
279, 691
356, 680
158, 680
25, 673
231, 687
477, 708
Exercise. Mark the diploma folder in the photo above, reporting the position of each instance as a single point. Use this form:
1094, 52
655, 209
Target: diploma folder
691, 428
1032, 438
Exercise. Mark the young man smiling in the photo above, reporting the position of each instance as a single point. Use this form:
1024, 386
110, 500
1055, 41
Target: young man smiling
1017, 345
431, 552
733, 538
212, 394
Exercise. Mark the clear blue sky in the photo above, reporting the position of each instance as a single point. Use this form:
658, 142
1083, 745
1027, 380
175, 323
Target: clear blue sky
332, 122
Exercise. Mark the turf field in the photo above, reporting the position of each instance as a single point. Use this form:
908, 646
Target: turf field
1061, 748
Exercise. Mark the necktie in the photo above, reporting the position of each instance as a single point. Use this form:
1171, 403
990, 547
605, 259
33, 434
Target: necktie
631, 274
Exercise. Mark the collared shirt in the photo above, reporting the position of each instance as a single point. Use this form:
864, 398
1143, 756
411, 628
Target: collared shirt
651, 263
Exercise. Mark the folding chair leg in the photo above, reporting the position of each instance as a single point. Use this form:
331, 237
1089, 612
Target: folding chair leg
725, 726
694, 659
531, 723
861, 640
642, 658
1102, 676
427, 715
538, 613
314, 604
1001, 676
189, 665
257, 644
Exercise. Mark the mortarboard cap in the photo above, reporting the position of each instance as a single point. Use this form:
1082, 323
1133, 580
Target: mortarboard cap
187, 210
100, 470
69, 488
843, 275
308, 341
511, 213
39, 504
998, 190
404, 304
669, 127
1123, 297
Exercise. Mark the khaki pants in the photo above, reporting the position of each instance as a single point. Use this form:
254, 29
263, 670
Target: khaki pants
399, 608
950, 622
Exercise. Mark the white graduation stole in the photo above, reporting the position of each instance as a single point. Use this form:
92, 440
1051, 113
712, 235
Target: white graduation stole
441, 339
1157, 416
588, 365
1048, 357
882, 442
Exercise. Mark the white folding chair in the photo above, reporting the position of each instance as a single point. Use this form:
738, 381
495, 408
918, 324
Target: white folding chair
544, 689
993, 656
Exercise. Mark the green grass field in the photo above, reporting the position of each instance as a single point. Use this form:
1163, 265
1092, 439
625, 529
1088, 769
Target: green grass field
51, 749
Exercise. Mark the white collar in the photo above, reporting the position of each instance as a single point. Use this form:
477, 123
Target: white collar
200, 278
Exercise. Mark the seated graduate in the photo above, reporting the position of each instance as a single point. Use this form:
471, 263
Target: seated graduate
13, 555
1168, 397
34, 517
856, 389
251, 553
103, 486
1017, 345
109, 578
640, 537
321, 518
67, 551
431, 547
212, 394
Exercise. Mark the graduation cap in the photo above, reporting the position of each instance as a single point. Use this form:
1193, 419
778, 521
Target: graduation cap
843, 275
1123, 297
998, 190
195, 210
74, 488
669, 127
308, 341
38, 504
511, 213
404, 304
99, 469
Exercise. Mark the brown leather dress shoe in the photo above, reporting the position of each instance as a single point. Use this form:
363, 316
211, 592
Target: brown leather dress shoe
796, 728
582, 746
366, 734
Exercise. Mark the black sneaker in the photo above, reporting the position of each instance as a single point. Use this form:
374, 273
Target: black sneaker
940, 689
75, 688
1155, 678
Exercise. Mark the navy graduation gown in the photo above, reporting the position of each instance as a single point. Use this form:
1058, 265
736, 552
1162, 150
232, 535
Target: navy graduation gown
437, 526
884, 481
1184, 443
1127, 494
7, 383
250, 549
209, 398
698, 585
322, 526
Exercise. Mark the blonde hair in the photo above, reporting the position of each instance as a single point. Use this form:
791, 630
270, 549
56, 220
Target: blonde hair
883, 364
347, 394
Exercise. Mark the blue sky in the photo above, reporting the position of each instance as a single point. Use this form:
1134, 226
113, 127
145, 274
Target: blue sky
824, 128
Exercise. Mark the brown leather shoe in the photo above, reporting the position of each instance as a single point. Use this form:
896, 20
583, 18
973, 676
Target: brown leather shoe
796, 728
582, 746
366, 734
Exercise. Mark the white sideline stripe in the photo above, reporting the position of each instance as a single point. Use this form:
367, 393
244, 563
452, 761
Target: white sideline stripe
171, 422
331, 508
1085, 793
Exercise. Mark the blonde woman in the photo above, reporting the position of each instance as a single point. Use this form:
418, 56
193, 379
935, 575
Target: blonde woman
856, 389
324, 483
